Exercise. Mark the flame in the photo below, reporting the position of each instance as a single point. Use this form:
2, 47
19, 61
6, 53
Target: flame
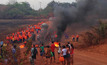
56, 44
22, 46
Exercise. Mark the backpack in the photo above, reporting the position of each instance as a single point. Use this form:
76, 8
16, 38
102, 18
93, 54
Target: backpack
35, 51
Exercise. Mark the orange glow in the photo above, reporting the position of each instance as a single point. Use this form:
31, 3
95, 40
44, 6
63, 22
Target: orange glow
56, 44
22, 46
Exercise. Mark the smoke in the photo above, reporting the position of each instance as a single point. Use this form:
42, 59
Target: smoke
84, 12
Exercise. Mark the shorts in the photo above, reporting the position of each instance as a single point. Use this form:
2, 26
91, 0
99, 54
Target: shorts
68, 55
53, 53
65, 56
42, 53
48, 56
34, 57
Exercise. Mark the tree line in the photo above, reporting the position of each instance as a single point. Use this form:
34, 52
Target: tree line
23, 10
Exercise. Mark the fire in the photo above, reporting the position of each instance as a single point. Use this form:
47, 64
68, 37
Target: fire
22, 46
56, 44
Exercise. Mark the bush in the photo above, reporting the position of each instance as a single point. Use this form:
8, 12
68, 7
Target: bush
96, 35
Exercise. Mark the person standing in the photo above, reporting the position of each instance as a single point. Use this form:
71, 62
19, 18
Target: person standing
1, 50
72, 54
73, 38
34, 52
1, 46
77, 38
53, 49
68, 54
48, 55
1, 42
64, 54
71, 46
42, 51
59, 50
14, 53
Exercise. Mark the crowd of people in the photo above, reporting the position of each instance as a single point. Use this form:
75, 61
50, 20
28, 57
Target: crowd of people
19, 37
65, 51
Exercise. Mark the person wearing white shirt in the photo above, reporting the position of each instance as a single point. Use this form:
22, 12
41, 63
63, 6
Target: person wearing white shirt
64, 54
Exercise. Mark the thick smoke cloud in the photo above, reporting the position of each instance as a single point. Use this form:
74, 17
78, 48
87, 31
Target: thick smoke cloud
85, 12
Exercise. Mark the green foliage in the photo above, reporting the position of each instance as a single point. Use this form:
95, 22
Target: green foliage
18, 10
102, 30
23, 10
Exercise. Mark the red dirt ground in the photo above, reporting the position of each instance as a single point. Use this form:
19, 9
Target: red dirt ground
95, 55
90, 56
80, 58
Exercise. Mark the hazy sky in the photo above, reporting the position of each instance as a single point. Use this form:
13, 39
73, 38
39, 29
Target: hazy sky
36, 3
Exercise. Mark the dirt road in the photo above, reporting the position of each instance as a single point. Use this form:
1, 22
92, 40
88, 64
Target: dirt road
80, 58
88, 58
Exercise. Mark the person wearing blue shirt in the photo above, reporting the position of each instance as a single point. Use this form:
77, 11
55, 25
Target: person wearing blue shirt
1, 42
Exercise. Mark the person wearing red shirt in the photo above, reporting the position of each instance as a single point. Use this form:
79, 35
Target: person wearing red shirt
53, 48
77, 38
73, 38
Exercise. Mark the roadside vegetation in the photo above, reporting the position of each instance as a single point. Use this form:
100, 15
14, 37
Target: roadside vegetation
97, 35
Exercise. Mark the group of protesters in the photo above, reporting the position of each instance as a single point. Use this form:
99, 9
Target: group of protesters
65, 51
23, 35
19, 37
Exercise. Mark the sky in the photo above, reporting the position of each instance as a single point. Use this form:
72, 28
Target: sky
36, 3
